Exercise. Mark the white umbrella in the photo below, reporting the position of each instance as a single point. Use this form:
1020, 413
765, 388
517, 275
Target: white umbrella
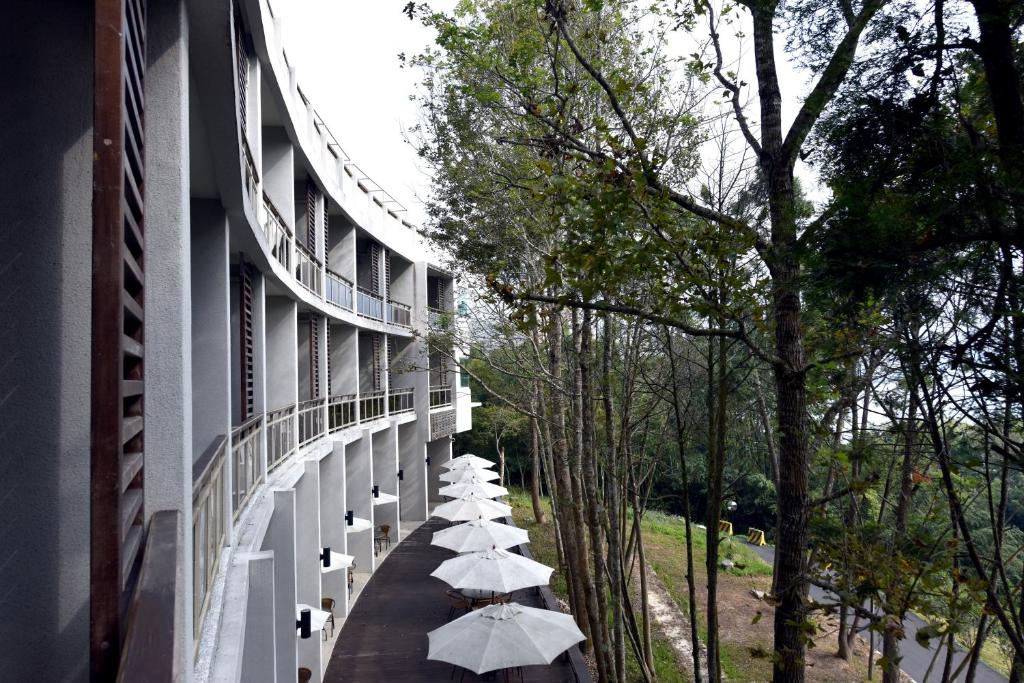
502, 637
464, 461
467, 474
473, 487
480, 534
493, 570
472, 507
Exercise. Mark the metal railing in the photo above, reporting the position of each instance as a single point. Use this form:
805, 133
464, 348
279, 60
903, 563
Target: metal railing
401, 400
279, 237
252, 178
436, 317
399, 314
209, 526
369, 305
307, 269
338, 290
371, 405
311, 420
246, 462
440, 395
341, 412
280, 435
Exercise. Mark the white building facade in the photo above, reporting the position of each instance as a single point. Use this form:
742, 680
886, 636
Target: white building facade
220, 373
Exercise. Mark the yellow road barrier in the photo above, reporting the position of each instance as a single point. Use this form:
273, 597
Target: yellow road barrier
725, 527
755, 536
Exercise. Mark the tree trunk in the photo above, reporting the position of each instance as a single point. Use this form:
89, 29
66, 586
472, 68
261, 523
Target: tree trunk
535, 472
717, 390
612, 498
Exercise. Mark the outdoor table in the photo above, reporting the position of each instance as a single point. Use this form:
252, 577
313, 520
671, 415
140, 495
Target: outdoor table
474, 595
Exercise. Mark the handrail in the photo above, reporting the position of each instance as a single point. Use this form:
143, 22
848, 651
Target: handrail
150, 647
311, 419
307, 269
252, 177
401, 400
341, 411
338, 290
280, 435
278, 234
369, 304
246, 461
209, 525
399, 314
440, 395
371, 405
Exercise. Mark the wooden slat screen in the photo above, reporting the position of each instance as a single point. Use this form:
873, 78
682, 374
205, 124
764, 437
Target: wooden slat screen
375, 268
247, 344
327, 353
118, 280
311, 197
376, 360
314, 356
242, 74
387, 274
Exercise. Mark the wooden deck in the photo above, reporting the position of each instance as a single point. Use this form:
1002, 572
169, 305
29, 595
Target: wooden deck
385, 637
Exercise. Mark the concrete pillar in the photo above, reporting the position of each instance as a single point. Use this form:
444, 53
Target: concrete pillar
307, 558
385, 477
412, 453
439, 452
259, 663
168, 331
358, 476
334, 584
282, 358
280, 538
279, 172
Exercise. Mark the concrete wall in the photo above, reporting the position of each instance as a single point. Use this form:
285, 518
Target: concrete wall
280, 538
45, 274
344, 353
439, 452
412, 454
307, 557
282, 356
334, 584
279, 172
358, 482
385, 477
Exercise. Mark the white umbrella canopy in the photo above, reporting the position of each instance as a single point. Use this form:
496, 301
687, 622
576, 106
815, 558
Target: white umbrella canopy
480, 534
473, 487
493, 570
502, 637
464, 461
472, 507
468, 474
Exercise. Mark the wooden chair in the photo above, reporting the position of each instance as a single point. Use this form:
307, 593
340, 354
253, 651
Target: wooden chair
327, 605
383, 537
305, 675
456, 601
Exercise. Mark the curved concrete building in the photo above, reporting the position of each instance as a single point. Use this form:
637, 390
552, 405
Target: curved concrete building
220, 402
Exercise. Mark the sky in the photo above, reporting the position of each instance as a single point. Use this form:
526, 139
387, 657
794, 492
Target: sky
346, 55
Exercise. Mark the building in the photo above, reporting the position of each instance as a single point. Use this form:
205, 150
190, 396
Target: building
215, 368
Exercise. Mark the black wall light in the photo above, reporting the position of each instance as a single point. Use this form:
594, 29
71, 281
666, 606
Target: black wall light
305, 623
348, 517
428, 459
325, 556
376, 491
401, 475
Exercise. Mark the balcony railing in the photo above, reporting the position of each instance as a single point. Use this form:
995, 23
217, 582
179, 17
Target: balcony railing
369, 305
341, 412
400, 400
399, 314
252, 178
436, 317
440, 395
247, 468
280, 435
307, 269
311, 420
371, 405
279, 237
209, 526
338, 290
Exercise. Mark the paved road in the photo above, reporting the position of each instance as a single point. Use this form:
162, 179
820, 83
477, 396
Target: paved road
916, 659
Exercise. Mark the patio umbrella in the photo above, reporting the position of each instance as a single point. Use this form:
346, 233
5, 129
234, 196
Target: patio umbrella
467, 474
464, 461
502, 637
471, 507
493, 570
476, 487
480, 534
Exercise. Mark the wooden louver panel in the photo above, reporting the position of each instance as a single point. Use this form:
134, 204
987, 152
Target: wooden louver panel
387, 274
311, 196
247, 344
314, 356
375, 268
327, 357
391, 360
376, 360
118, 300
241, 74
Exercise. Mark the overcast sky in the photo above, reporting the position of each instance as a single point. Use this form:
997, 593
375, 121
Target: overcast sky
346, 54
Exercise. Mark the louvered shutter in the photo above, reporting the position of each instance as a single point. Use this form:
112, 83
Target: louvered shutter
247, 345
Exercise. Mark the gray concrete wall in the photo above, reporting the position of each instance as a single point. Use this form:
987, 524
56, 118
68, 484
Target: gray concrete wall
259, 662
282, 379
358, 482
45, 275
385, 476
278, 172
307, 558
344, 354
341, 253
366, 374
412, 460
333, 584
439, 452
280, 538
211, 320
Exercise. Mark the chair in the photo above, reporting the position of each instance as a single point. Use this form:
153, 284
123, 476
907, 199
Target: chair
456, 601
305, 675
383, 537
327, 605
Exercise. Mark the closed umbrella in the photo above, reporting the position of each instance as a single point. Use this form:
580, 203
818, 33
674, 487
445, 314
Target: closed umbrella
474, 487
464, 461
493, 570
466, 474
471, 507
503, 637
480, 534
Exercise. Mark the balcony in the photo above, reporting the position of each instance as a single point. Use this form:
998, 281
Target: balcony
246, 452
436, 318
279, 237
280, 435
440, 396
311, 420
341, 412
401, 400
371, 406
209, 526
338, 290
307, 270
399, 314
252, 178
369, 304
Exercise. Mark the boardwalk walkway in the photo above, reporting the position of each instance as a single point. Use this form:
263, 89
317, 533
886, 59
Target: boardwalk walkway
385, 637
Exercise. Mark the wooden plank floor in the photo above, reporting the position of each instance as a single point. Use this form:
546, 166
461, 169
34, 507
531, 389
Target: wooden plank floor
385, 637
